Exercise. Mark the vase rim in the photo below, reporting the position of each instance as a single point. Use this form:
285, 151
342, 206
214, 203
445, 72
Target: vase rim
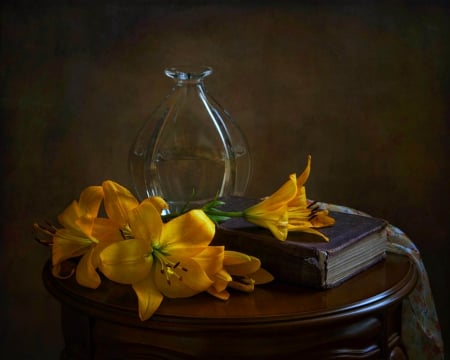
188, 72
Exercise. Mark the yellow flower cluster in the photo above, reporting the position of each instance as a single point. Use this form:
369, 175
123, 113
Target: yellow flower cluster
285, 210
133, 244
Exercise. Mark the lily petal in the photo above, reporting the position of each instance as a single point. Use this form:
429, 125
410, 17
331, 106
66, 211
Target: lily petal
246, 268
276, 222
70, 214
223, 275
188, 232
118, 202
84, 225
86, 274
211, 259
285, 193
125, 262
149, 297
235, 257
90, 200
301, 180
159, 203
271, 213
222, 295
299, 200
322, 219
146, 224
89, 204
106, 231
67, 244
261, 276
182, 283
315, 232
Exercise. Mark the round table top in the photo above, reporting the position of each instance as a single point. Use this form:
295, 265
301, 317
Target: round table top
381, 285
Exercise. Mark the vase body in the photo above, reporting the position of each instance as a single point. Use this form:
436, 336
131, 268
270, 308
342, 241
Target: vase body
190, 150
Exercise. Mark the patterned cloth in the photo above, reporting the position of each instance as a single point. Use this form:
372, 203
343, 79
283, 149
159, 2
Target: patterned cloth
421, 331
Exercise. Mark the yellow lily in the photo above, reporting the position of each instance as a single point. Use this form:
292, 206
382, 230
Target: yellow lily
162, 259
272, 212
288, 210
83, 235
303, 216
118, 202
241, 272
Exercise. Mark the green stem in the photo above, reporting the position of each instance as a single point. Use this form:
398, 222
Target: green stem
211, 211
230, 214
214, 214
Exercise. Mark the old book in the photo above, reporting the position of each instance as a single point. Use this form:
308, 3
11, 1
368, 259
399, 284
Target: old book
355, 244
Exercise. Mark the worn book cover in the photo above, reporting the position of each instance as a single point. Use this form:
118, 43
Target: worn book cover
355, 243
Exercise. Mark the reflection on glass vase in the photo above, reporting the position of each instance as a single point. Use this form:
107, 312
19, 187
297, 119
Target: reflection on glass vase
190, 150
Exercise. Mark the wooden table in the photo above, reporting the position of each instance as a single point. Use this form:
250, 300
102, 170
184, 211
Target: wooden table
360, 319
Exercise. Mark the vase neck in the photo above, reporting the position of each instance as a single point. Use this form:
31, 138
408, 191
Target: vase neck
188, 74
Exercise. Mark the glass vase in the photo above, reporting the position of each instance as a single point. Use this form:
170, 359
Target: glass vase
190, 150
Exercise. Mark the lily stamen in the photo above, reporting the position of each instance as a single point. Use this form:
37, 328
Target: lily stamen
126, 233
46, 230
168, 268
311, 204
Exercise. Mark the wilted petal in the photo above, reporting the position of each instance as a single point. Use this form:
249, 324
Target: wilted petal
125, 262
149, 297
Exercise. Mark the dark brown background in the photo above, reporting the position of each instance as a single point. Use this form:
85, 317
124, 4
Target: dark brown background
364, 88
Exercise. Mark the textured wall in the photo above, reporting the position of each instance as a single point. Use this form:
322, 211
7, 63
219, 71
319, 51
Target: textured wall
363, 88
